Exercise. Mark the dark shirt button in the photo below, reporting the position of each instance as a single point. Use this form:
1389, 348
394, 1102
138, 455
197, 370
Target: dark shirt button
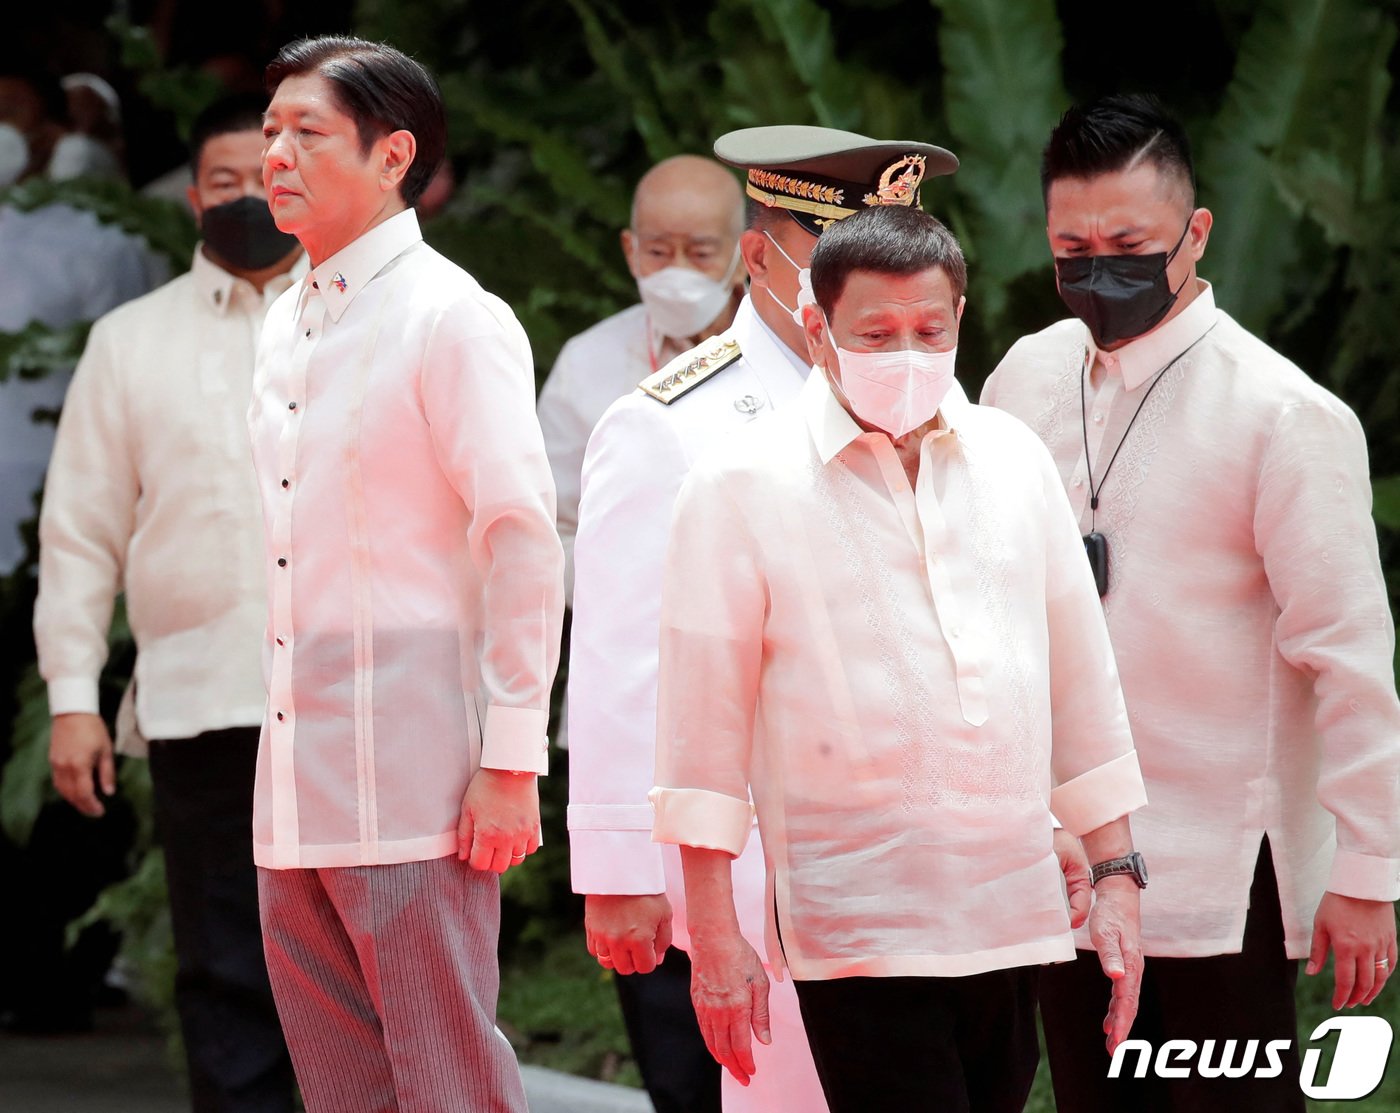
291, 405
286, 483
281, 562
280, 716
281, 642
308, 334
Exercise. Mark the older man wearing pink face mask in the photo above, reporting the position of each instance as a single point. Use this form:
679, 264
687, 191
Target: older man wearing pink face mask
878, 624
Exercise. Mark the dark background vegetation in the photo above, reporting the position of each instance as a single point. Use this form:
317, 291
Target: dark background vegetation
557, 107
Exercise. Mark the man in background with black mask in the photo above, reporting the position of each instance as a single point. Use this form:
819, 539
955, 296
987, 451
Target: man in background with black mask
151, 491
1224, 499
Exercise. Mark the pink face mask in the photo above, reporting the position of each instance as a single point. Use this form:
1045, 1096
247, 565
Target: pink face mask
895, 391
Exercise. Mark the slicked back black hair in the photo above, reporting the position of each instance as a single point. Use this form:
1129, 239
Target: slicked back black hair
382, 89
1113, 133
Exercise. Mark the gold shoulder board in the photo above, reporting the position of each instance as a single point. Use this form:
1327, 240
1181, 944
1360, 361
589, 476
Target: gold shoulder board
689, 369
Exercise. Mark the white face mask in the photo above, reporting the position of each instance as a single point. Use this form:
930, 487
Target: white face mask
805, 297
895, 391
681, 301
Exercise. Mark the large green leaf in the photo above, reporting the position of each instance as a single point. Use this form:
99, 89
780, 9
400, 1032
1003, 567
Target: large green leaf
25, 785
1002, 95
1302, 103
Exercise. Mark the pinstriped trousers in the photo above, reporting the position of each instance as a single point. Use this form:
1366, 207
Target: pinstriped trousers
386, 980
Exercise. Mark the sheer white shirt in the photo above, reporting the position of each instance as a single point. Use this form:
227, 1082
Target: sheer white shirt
150, 491
415, 578
1247, 610
907, 679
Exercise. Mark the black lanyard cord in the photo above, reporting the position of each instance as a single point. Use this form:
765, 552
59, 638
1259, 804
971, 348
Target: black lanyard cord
1094, 490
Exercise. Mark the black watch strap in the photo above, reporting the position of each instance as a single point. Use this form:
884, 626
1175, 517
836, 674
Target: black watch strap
1130, 864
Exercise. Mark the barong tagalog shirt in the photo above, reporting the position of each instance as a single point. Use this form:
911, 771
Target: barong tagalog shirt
1248, 613
415, 578
150, 491
908, 680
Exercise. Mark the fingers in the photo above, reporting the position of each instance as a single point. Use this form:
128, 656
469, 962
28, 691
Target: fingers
75, 784
1382, 974
733, 1047
1344, 969
663, 938
1111, 958
1317, 953
107, 770
760, 1022
1080, 892
1122, 1008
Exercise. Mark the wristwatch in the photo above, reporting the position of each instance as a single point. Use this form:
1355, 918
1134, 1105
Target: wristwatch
1131, 864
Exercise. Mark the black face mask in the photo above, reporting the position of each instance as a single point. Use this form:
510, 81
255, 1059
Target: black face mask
1118, 296
243, 234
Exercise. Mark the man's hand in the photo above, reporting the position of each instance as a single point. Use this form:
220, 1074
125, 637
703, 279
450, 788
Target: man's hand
628, 934
1115, 928
729, 989
80, 752
1079, 886
1361, 934
500, 822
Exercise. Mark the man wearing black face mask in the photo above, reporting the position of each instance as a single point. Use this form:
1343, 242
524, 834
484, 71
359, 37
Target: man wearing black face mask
1225, 502
151, 491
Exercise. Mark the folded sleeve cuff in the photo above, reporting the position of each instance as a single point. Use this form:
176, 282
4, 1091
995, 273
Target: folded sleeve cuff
73, 695
1364, 877
698, 817
1103, 794
516, 739
611, 852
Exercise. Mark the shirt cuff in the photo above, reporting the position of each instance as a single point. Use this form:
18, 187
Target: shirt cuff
698, 817
614, 858
1364, 877
516, 738
73, 695
1103, 794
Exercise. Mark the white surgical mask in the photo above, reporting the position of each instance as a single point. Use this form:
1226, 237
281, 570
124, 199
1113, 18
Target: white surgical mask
805, 297
895, 391
681, 301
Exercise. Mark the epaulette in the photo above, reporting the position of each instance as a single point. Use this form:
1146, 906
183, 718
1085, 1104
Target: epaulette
689, 369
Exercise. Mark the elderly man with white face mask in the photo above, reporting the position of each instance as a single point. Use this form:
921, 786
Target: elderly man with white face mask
877, 623
682, 247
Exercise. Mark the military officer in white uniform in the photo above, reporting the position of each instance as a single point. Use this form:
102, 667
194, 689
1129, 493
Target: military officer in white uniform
799, 180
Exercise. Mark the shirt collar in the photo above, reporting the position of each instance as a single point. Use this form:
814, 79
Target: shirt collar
218, 287
341, 277
832, 428
759, 333
1141, 358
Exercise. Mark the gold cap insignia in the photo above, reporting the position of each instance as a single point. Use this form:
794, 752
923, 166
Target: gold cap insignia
899, 183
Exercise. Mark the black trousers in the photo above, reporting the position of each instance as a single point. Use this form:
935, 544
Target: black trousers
1248, 996
238, 1060
678, 1071
924, 1045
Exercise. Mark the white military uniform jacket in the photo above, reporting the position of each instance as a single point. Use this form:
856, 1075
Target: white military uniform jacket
637, 458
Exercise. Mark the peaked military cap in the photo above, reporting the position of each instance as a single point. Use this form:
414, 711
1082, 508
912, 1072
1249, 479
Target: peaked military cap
820, 175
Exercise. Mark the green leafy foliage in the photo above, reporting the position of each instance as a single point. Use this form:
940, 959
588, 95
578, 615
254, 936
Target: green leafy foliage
556, 109
26, 786
1003, 93
38, 350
